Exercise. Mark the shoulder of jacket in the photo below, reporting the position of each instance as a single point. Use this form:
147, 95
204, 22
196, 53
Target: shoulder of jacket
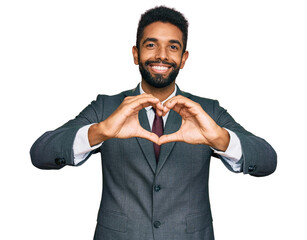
119, 96
198, 99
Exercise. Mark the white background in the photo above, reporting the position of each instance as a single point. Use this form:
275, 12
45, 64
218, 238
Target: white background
56, 56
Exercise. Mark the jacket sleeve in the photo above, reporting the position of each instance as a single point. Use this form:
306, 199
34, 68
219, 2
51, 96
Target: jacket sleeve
54, 149
258, 157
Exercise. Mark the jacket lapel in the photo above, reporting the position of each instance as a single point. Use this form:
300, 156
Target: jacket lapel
146, 145
173, 123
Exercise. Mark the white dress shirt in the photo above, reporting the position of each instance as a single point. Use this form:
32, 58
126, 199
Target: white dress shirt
82, 148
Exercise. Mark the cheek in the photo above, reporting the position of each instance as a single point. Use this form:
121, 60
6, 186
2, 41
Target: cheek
179, 62
145, 55
176, 56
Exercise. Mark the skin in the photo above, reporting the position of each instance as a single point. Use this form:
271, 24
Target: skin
161, 42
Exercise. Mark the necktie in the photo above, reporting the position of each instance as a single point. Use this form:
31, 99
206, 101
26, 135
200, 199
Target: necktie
157, 128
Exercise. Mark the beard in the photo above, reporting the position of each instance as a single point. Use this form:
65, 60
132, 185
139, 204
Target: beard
158, 81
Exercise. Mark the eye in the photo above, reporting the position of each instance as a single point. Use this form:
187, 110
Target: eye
174, 47
150, 45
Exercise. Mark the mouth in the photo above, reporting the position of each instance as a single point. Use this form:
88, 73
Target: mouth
160, 68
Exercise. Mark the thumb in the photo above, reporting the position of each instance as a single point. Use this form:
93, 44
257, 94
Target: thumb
148, 135
174, 137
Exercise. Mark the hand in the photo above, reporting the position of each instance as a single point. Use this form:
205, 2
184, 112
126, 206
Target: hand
197, 126
124, 121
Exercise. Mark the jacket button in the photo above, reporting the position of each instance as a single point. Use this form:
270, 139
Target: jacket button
251, 168
60, 161
157, 224
157, 188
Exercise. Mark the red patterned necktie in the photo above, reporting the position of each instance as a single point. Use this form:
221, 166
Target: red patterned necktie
157, 128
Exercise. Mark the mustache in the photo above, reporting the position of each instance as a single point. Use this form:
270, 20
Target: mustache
174, 65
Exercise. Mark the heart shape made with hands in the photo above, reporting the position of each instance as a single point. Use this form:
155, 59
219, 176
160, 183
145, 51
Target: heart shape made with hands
191, 129
197, 127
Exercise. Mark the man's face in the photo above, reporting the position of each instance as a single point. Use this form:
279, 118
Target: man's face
160, 54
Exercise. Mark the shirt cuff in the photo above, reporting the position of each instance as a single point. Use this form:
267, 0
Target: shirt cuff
81, 146
234, 150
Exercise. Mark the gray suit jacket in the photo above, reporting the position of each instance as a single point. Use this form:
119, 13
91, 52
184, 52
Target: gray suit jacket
143, 200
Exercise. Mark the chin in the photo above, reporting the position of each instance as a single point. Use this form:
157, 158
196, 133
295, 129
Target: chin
159, 83
158, 80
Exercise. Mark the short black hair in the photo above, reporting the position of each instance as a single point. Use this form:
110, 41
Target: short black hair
165, 15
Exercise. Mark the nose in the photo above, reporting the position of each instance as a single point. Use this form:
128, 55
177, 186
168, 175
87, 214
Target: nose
161, 54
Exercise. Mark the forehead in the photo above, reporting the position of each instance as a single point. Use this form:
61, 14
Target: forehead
162, 32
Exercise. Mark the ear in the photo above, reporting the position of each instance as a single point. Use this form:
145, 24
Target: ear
135, 53
184, 58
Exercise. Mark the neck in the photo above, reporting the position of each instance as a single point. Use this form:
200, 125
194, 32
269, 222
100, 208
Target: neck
160, 93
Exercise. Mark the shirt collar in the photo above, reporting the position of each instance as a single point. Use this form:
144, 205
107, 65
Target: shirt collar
169, 97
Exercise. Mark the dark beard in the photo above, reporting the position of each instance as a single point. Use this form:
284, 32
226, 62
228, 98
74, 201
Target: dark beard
158, 81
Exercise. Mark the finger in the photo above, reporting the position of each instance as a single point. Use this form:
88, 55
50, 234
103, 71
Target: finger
133, 98
165, 110
136, 103
160, 109
179, 100
184, 106
175, 98
145, 102
139, 100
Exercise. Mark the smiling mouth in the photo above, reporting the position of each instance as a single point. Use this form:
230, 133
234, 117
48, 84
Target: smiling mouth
160, 69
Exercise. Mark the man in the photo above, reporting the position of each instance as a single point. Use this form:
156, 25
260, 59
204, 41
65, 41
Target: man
156, 142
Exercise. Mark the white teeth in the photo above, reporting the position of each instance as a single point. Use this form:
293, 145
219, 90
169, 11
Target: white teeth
161, 68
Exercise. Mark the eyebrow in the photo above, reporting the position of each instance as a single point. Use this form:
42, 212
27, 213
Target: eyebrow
175, 41
156, 40
150, 40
